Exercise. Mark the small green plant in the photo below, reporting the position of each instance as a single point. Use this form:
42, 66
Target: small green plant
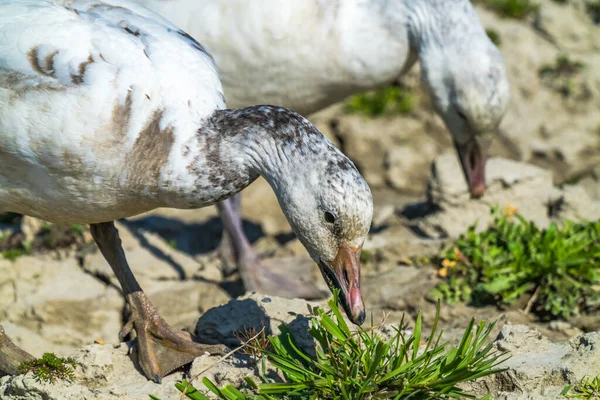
518, 9
359, 364
54, 236
13, 254
494, 36
587, 389
557, 269
78, 229
560, 75
49, 368
387, 100
368, 256
255, 342
172, 244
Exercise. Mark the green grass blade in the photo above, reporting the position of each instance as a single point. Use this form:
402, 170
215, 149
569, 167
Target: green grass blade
190, 391
417, 335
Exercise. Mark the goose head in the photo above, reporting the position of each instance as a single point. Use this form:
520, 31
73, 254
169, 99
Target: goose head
329, 207
322, 194
466, 78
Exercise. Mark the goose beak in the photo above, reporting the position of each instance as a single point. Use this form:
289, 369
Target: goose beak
472, 157
343, 273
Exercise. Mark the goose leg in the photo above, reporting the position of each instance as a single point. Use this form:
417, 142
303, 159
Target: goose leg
10, 355
160, 348
229, 253
258, 275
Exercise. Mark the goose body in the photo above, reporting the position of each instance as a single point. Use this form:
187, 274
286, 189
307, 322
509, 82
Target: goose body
96, 117
107, 111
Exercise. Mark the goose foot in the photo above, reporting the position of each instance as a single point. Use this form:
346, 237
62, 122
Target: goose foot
11, 356
287, 277
160, 348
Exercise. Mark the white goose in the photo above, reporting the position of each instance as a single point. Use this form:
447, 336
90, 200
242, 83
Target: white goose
308, 54
107, 111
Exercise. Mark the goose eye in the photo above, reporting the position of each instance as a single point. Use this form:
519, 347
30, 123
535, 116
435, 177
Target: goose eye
329, 218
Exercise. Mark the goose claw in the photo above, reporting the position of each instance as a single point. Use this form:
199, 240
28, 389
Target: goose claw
160, 348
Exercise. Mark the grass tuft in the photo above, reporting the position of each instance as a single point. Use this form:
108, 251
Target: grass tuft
494, 36
50, 368
560, 75
358, 365
518, 9
13, 254
389, 100
49, 237
555, 270
587, 389
254, 342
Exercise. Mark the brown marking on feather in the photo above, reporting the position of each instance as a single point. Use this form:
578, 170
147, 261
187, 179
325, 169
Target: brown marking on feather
78, 79
149, 154
73, 10
72, 162
18, 85
194, 43
121, 116
132, 32
43, 67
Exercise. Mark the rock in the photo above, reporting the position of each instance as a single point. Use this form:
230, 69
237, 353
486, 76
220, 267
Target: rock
403, 286
564, 327
33, 342
151, 259
405, 166
253, 312
397, 146
538, 113
382, 214
58, 301
102, 373
232, 371
538, 367
591, 183
30, 226
448, 187
165, 275
568, 26
199, 296
510, 183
